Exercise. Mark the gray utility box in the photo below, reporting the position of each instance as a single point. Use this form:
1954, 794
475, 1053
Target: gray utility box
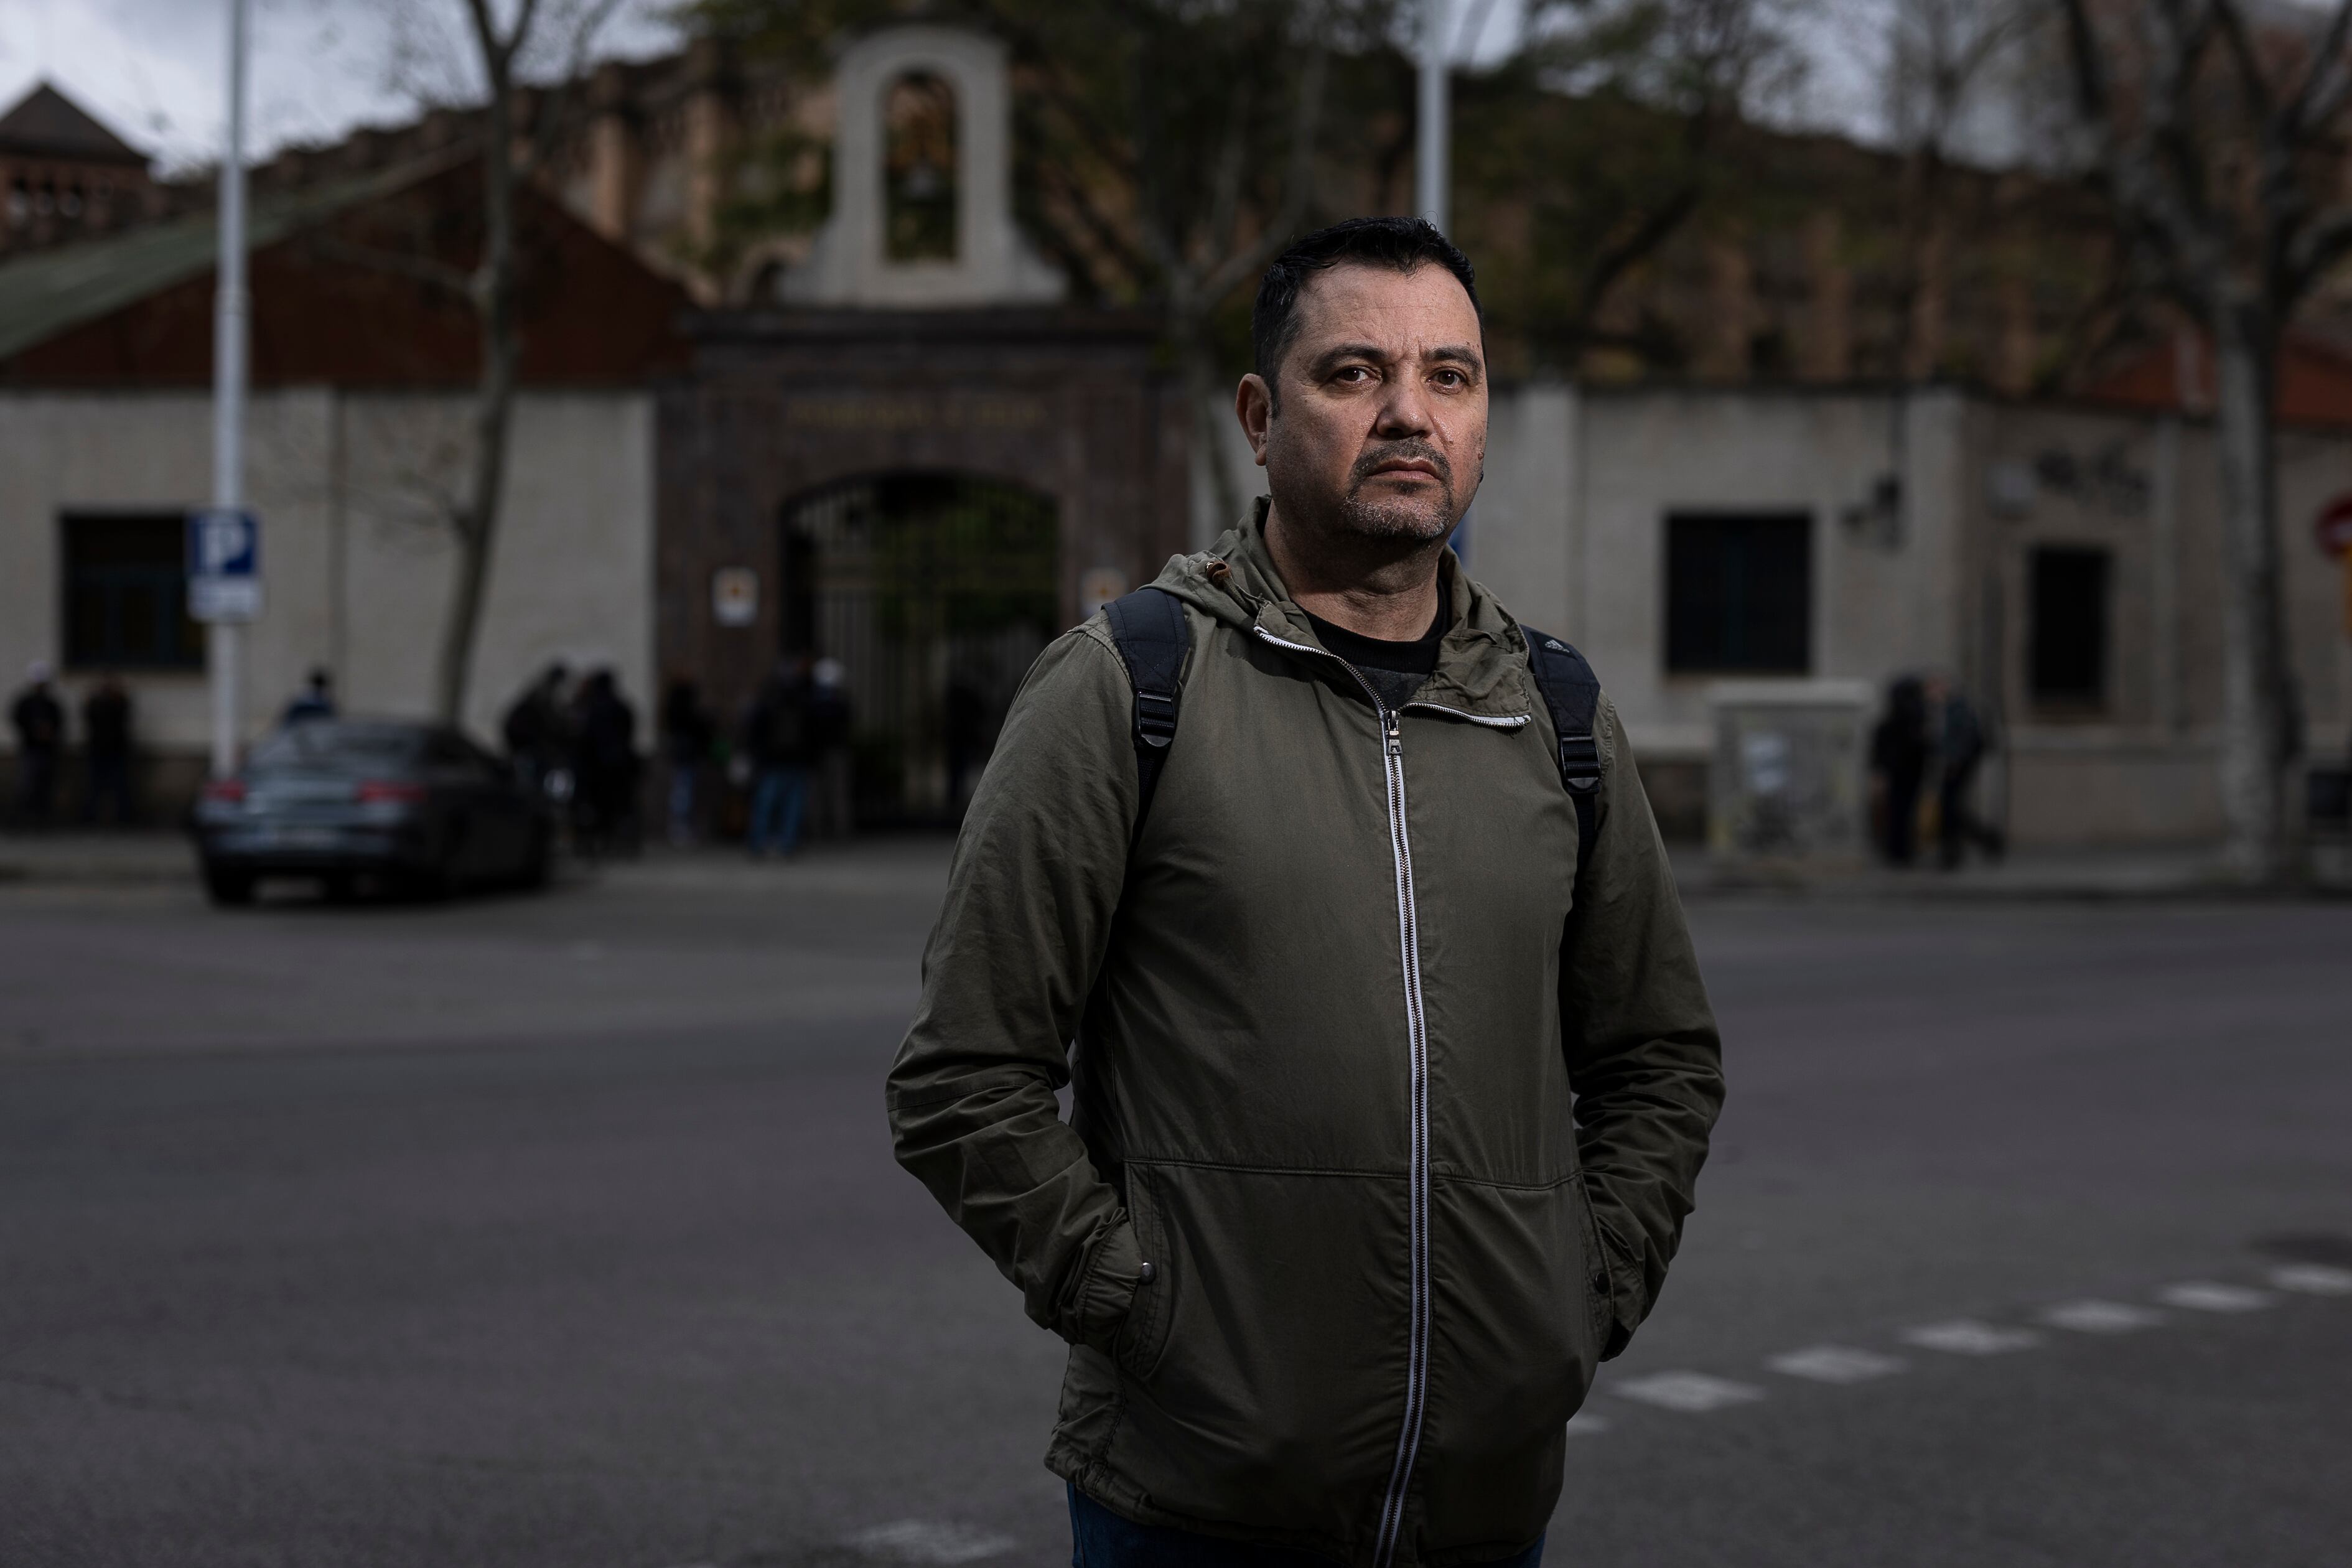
1790, 788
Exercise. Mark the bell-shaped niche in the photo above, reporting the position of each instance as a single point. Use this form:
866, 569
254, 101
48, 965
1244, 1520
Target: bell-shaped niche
922, 182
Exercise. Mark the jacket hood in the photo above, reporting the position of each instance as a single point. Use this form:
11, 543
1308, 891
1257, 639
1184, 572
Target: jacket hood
1481, 661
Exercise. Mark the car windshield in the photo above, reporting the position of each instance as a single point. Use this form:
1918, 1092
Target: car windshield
321, 745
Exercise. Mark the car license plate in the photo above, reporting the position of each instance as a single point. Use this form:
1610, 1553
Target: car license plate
271, 837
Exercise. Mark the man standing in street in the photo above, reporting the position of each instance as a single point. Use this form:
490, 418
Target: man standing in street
776, 738
315, 700
1391, 1079
39, 720
106, 753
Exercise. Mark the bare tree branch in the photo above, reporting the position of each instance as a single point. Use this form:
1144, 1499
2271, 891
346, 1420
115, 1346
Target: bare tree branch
1305, 125
1617, 258
2325, 84
2317, 246
2092, 94
1225, 187
559, 110
2231, 23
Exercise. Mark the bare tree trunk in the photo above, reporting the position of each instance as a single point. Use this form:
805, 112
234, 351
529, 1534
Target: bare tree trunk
1198, 272
2258, 699
492, 289
477, 530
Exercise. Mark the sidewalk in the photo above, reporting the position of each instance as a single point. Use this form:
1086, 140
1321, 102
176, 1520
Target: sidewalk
911, 862
85, 856
2087, 876
74, 856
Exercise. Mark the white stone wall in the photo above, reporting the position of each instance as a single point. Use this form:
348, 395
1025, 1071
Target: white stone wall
1570, 525
357, 577
1569, 528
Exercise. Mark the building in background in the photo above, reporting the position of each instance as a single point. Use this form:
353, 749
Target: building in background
923, 470
1826, 429
2058, 560
64, 176
358, 439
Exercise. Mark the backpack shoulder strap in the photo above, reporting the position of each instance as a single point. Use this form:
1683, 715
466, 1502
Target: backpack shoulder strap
1573, 692
1152, 637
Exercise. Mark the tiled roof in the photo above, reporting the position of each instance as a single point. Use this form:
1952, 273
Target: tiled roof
45, 121
55, 291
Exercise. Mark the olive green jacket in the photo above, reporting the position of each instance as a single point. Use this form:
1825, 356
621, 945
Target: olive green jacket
1400, 1106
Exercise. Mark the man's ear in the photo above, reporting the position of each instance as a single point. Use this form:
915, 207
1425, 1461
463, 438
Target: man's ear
1253, 406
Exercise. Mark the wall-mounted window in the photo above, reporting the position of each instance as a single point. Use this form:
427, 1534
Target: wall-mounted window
918, 169
1740, 594
2066, 667
126, 591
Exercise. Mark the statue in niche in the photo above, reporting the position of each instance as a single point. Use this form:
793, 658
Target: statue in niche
922, 181
920, 169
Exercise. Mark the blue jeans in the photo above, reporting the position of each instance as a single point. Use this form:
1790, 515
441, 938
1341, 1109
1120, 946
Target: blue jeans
777, 801
685, 783
1102, 1539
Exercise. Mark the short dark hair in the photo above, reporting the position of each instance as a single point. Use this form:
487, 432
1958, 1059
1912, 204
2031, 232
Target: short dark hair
1398, 244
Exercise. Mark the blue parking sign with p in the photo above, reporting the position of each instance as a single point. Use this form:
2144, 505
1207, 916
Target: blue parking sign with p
223, 565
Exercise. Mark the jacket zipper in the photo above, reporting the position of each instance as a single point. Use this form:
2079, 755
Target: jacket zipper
1417, 1045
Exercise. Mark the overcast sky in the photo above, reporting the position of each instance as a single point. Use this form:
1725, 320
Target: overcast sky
152, 69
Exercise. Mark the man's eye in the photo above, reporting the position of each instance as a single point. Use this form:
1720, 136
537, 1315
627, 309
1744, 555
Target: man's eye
1353, 372
1452, 378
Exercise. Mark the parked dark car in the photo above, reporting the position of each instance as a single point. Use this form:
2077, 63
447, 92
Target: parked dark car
414, 807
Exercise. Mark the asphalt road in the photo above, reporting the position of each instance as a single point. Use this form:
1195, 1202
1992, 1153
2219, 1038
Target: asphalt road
563, 1231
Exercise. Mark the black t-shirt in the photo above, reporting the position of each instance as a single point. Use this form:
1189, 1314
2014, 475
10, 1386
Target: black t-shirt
1394, 670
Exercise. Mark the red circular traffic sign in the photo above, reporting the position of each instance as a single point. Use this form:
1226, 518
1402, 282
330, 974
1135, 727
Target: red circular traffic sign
2335, 525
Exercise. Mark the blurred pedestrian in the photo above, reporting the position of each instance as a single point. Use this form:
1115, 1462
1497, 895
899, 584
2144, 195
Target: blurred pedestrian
604, 765
1899, 751
688, 736
39, 720
537, 730
1961, 743
106, 753
777, 738
315, 700
831, 776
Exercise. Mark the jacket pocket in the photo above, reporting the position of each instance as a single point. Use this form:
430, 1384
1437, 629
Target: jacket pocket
1513, 1350
1267, 1377
1600, 1280
1143, 1338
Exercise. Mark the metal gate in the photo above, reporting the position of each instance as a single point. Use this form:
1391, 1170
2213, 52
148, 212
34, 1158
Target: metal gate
935, 592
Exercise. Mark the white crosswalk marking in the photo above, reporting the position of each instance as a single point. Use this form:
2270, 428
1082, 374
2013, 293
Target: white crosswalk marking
1966, 1336
2314, 1279
2205, 1296
922, 1541
2101, 1317
1696, 1392
1691, 1392
1835, 1363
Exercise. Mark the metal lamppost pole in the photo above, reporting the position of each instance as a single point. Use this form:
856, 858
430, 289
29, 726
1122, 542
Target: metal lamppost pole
224, 645
1432, 161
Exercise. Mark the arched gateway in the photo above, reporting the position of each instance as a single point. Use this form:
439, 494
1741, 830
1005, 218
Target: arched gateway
934, 592
911, 412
